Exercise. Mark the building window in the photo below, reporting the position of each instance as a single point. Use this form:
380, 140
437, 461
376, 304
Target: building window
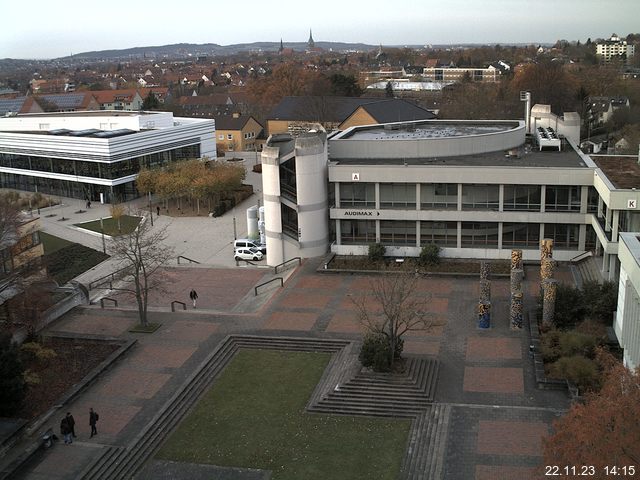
592, 200
520, 235
398, 233
357, 232
522, 197
443, 234
398, 195
562, 199
480, 197
479, 235
229, 136
439, 196
289, 221
221, 136
357, 195
563, 235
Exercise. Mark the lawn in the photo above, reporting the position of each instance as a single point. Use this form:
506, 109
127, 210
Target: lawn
127, 225
66, 260
52, 243
254, 417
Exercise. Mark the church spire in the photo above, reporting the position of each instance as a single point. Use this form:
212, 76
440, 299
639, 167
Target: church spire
311, 43
281, 49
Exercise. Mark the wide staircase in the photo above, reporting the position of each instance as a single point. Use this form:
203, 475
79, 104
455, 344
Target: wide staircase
586, 269
344, 389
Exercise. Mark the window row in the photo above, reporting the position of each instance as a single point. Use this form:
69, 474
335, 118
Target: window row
444, 196
445, 234
109, 171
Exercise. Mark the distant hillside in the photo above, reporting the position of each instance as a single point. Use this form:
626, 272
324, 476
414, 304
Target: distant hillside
184, 49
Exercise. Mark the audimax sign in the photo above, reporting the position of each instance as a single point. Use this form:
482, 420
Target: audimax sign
361, 213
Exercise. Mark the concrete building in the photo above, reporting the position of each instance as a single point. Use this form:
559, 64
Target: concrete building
294, 173
613, 48
95, 155
490, 74
626, 322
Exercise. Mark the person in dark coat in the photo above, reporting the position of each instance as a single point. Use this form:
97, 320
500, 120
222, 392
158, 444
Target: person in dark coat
193, 295
93, 419
72, 424
158, 210
65, 431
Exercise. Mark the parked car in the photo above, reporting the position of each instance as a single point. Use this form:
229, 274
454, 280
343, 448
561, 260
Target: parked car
248, 243
248, 254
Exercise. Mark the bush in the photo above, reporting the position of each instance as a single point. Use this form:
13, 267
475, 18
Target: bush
570, 307
575, 343
12, 385
375, 352
377, 252
600, 300
579, 370
429, 255
550, 346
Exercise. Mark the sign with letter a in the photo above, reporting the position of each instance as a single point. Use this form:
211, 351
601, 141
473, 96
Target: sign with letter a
355, 177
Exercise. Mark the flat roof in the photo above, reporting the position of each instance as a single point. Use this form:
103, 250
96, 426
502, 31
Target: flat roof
91, 113
430, 129
622, 170
520, 157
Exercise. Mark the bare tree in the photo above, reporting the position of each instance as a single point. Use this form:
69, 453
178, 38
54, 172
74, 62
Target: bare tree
143, 253
397, 308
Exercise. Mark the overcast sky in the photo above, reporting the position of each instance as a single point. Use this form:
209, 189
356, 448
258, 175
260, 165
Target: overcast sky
47, 29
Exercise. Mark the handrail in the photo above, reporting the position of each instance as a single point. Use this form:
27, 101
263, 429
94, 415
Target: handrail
186, 258
287, 261
110, 276
115, 302
173, 305
577, 258
255, 290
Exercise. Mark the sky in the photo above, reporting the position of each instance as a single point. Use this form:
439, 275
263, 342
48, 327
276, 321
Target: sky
46, 29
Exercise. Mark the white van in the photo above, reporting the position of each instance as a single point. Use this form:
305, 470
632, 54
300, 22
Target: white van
248, 243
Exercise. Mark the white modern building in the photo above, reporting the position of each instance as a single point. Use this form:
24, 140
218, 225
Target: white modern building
98, 154
627, 317
614, 47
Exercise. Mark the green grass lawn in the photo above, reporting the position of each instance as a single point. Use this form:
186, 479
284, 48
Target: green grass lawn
52, 243
254, 417
66, 260
127, 225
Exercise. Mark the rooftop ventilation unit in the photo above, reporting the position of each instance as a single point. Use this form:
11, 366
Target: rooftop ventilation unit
547, 137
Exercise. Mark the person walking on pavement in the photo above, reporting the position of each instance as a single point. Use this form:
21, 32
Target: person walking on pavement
72, 424
93, 419
193, 295
65, 431
158, 210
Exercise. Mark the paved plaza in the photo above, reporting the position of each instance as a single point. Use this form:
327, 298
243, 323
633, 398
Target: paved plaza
498, 416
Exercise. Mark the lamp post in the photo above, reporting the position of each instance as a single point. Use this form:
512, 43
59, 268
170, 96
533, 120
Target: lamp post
150, 210
104, 247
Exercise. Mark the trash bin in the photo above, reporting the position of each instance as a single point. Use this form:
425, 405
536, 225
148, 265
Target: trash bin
47, 438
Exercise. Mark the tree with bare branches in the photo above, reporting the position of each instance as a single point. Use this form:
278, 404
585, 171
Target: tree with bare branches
394, 306
143, 253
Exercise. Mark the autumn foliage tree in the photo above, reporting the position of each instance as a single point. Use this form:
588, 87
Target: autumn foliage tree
194, 180
604, 431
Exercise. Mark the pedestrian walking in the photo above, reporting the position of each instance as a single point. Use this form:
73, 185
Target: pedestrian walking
193, 295
65, 431
158, 210
93, 419
72, 424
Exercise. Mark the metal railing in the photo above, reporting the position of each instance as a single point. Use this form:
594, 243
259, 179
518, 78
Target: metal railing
115, 302
186, 258
173, 305
255, 290
108, 278
582, 256
275, 269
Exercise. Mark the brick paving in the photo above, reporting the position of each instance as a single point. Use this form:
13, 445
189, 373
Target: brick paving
493, 380
498, 415
511, 438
